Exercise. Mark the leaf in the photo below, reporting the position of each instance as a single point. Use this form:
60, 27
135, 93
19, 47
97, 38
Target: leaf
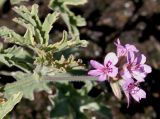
74, 2
75, 104
24, 13
27, 84
17, 56
70, 19
17, 1
34, 13
31, 21
6, 107
68, 100
4, 59
65, 44
11, 36
47, 25
29, 37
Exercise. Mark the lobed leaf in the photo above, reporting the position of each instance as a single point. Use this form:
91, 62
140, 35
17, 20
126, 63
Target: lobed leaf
7, 106
17, 1
70, 19
47, 25
27, 84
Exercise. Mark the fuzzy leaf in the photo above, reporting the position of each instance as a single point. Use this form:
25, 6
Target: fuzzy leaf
6, 107
74, 2
11, 36
47, 25
18, 1
66, 44
70, 19
24, 13
17, 56
27, 84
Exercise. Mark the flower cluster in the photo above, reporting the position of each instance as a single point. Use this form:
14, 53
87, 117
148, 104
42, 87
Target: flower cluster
126, 68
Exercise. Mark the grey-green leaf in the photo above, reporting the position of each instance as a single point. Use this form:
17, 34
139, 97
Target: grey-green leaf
6, 107
47, 25
27, 84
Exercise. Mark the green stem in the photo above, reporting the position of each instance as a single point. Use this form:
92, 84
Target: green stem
70, 78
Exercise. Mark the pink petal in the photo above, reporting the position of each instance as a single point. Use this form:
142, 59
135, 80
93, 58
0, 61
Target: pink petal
96, 64
95, 72
138, 76
125, 83
111, 57
147, 68
140, 59
131, 48
102, 77
121, 50
114, 71
125, 74
139, 94
142, 93
130, 57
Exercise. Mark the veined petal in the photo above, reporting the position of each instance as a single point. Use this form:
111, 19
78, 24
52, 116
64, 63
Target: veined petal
112, 58
139, 94
95, 72
139, 76
102, 77
131, 48
114, 71
125, 74
130, 57
125, 83
96, 64
140, 59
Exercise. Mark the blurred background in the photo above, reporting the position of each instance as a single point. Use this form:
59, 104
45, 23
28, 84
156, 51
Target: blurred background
133, 21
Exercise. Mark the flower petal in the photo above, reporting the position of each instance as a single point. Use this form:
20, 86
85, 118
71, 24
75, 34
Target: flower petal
139, 94
96, 64
130, 57
142, 93
125, 83
121, 50
143, 59
102, 77
147, 68
131, 48
139, 76
95, 72
140, 59
114, 71
125, 74
111, 57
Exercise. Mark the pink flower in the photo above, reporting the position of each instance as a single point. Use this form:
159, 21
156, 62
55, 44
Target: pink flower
135, 67
123, 50
130, 88
108, 69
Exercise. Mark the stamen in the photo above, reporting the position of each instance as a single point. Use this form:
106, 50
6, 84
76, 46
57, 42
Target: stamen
109, 63
110, 70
